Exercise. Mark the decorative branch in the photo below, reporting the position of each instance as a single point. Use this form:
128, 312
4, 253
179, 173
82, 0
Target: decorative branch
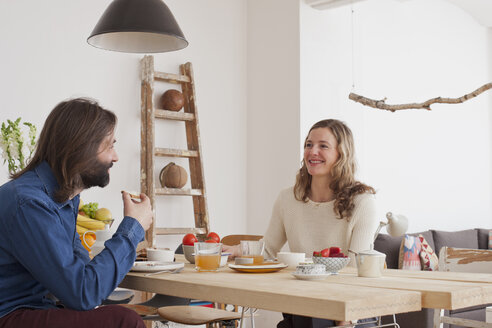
381, 104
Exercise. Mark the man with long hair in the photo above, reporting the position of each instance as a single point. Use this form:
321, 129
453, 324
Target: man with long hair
47, 278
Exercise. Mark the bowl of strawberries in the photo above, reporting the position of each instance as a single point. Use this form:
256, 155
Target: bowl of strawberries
333, 259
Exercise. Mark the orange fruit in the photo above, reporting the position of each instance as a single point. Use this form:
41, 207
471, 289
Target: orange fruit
90, 239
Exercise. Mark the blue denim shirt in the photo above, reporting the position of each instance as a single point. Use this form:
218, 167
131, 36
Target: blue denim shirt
41, 253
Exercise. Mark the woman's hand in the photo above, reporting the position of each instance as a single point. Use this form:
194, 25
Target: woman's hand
234, 250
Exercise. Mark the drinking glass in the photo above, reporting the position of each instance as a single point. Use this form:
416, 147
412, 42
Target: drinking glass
207, 256
253, 249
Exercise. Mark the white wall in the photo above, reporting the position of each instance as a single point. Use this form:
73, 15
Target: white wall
45, 59
273, 105
432, 166
273, 112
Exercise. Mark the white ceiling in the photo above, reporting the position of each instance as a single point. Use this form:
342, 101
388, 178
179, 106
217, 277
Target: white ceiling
481, 10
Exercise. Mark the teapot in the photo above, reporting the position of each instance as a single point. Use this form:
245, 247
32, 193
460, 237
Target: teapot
101, 237
370, 263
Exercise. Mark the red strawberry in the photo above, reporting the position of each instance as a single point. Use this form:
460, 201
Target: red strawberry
335, 250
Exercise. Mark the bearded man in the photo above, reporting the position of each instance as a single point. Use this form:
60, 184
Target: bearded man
47, 278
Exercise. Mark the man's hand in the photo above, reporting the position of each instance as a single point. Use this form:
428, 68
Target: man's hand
141, 211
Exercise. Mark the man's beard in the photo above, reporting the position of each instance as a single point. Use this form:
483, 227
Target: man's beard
96, 176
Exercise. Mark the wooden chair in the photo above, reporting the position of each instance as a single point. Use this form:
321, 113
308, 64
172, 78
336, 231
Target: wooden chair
196, 315
232, 240
463, 260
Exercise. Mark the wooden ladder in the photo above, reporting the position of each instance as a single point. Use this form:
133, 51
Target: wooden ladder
149, 113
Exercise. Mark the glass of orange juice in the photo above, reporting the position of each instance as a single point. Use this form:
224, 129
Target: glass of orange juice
253, 249
207, 256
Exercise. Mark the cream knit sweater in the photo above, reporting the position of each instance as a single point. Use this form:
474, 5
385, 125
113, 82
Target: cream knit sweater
312, 226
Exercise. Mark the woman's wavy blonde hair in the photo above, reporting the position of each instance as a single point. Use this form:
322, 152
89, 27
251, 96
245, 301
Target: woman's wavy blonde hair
343, 185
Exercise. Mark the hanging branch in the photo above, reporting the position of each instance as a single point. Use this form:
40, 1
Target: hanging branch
381, 104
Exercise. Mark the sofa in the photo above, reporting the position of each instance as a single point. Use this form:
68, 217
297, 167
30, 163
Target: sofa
471, 238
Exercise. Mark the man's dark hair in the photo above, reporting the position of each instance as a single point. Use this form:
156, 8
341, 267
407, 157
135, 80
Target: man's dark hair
70, 141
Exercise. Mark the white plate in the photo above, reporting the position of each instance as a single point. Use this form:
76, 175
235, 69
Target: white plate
261, 266
152, 266
303, 276
258, 268
120, 294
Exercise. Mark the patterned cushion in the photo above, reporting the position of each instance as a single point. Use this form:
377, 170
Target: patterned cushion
409, 253
428, 258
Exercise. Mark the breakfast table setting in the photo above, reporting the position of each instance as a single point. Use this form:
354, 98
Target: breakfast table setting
340, 295
274, 286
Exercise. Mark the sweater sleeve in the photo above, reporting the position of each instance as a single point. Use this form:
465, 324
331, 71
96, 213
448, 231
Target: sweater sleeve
275, 236
365, 223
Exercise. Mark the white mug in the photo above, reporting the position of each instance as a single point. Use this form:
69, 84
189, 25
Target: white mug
290, 258
101, 237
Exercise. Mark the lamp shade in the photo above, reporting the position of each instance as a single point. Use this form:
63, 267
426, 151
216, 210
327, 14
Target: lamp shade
137, 26
397, 224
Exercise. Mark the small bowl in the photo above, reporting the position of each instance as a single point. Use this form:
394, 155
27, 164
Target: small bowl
333, 264
290, 258
188, 253
160, 254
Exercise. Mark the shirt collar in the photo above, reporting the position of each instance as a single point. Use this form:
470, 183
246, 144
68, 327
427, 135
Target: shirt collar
45, 174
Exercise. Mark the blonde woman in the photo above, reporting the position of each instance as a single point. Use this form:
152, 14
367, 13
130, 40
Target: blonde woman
326, 207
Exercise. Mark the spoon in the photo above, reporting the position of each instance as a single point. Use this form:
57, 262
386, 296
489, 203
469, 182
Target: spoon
164, 271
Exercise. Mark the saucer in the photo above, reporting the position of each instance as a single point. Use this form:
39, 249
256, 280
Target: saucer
303, 276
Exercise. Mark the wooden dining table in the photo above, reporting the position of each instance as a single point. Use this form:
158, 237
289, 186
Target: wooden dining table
343, 296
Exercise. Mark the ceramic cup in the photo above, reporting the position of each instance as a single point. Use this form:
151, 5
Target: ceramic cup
290, 258
160, 254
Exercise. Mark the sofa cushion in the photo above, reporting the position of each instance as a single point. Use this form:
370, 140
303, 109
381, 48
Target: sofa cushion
409, 258
428, 257
483, 238
391, 246
427, 236
459, 239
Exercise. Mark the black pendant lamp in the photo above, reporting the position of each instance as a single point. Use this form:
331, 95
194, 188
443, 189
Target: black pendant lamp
137, 26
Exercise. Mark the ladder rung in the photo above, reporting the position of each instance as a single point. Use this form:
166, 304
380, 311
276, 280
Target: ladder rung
170, 115
169, 77
169, 152
178, 192
179, 231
